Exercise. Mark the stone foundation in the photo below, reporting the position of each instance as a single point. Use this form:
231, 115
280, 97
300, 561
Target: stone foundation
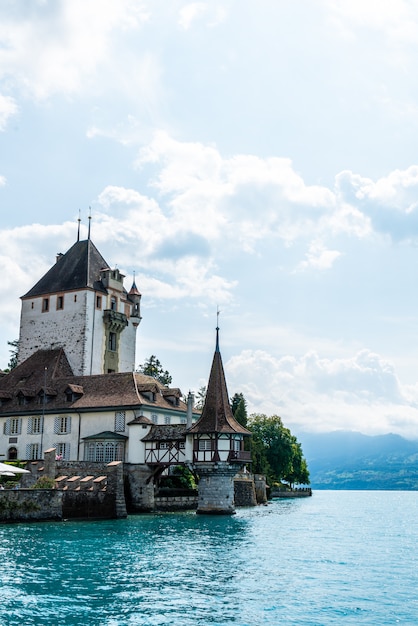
216, 488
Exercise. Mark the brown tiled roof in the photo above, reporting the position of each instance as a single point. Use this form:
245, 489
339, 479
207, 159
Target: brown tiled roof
171, 391
166, 432
217, 414
95, 392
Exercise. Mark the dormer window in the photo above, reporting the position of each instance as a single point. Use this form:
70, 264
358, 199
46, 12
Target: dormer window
149, 395
73, 392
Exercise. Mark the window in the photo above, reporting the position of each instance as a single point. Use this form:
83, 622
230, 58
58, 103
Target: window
98, 302
15, 426
113, 303
112, 342
205, 444
167, 419
164, 445
75, 298
45, 305
109, 451
236, 445
22, 399
63, 450
90, 452
154, 418
119, 421
32, 305
62, 425
34, 425
99, 452
33, 451
60, 303
182, 445
183, 420
119, 450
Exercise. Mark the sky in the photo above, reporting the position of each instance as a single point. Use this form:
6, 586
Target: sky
256, 158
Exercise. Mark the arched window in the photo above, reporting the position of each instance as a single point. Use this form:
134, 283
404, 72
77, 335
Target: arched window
91, 449
99, 453
119, 452
109, 452
12, 454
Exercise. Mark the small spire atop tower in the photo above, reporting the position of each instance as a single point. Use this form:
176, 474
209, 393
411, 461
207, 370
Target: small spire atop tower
88, 236
79, 222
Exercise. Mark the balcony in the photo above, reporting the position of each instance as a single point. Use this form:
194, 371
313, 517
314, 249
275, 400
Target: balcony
239, 456
114, 320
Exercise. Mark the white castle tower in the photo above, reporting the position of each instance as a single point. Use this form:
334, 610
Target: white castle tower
80, 305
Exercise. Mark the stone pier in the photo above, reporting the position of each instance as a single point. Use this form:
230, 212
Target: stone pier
216, 488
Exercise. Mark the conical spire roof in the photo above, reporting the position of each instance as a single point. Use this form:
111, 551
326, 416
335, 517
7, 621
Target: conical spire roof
76, 269
217, 414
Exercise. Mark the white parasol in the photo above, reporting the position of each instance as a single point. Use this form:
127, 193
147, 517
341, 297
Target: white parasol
11, 470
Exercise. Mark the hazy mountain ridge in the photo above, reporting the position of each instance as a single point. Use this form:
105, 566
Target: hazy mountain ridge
351, 460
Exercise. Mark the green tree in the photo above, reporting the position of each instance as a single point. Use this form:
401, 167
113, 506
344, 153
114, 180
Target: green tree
239, 409
276, 452
200, 398
14, 350
152, 367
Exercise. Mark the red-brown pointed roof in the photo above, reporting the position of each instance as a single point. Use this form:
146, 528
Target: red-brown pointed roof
217, 414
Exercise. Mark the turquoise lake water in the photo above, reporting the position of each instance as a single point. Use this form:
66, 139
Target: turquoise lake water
340, 557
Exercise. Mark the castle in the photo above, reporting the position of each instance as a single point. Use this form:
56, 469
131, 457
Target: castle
75, 390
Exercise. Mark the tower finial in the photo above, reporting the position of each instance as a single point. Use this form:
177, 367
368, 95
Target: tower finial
88, 236
217, 329
79, 222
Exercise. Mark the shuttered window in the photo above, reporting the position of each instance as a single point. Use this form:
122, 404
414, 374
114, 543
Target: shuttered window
62, 425
119, 421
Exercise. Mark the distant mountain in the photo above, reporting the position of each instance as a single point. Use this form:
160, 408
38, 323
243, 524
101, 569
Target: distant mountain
350, 460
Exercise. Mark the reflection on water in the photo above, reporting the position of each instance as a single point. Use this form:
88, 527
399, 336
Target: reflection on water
308, 561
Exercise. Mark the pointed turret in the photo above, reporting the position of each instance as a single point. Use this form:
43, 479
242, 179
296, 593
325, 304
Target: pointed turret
135, 296
218, 445
217, 414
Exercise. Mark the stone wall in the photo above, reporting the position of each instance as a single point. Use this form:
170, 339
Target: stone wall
260, 485
176, 501
89, 490
139, 488
244, 490
30, 504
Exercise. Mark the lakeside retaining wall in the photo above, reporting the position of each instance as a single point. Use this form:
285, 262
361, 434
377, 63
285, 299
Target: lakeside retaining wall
22, 505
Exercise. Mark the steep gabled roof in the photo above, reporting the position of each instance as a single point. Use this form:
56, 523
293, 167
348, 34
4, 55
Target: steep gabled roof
76, 269
217, 414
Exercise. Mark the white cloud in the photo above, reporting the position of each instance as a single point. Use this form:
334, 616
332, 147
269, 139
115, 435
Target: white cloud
196, 11
8, 108
67, 42
190, 12
315, 394
318, 257
390, 203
